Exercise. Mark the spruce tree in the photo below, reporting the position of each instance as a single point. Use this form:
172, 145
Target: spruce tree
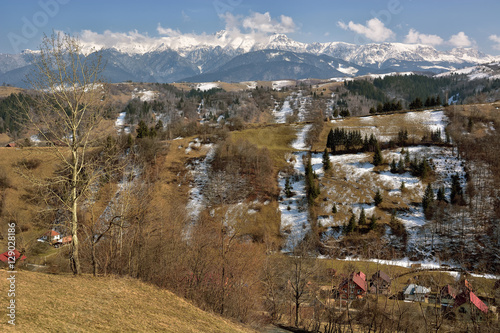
441, 195
377, 156
456, 195
330, 141
377, 199
373, 222
334, 208
142, 130
394, 167
401, 166
351, 226
362, 217
288, 188
326, 161
428, 201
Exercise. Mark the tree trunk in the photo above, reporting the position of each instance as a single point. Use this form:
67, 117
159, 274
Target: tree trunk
74, 257
94, 262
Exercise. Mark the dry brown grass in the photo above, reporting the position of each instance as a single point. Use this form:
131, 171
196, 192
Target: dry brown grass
276, 138
6, 91
64, 303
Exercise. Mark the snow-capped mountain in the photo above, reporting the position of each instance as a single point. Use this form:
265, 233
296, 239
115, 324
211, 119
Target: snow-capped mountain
179, 57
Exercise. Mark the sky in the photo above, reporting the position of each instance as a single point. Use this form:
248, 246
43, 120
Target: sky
443, 24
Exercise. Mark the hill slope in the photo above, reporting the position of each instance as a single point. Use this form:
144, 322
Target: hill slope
64, 303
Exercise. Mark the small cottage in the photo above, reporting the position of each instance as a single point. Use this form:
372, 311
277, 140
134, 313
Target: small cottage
380, 283
416, 293
353, 287
51, 237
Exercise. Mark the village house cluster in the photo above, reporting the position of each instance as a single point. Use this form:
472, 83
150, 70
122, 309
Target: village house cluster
462, 301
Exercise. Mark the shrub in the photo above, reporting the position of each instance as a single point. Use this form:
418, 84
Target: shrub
29, 164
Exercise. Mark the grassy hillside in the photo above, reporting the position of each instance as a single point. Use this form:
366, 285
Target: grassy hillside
64, 303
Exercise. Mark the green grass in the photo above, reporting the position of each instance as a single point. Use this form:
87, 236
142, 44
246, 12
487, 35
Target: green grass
64, 303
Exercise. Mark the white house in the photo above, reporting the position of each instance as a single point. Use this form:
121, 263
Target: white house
50, 236
416, 293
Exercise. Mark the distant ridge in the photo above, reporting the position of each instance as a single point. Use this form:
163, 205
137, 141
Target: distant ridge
225, 58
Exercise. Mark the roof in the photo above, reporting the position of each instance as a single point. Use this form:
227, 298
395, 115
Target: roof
362, 275
11, 144
413, 289
66, 239
51, 233
358, 279
448, 290
382, 275
5, 256
471, 298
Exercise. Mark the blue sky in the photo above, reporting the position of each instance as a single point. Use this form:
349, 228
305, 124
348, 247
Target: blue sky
442, 24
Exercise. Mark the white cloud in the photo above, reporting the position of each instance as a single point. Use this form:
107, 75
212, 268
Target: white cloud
496, 40
374, 29
415, 37
460, 40
167, 31
264, 23
240, 32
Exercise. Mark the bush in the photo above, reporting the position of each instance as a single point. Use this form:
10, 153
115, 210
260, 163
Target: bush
4, 181
29, 164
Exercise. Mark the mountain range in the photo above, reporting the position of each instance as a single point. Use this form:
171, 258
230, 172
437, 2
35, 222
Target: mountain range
243, 59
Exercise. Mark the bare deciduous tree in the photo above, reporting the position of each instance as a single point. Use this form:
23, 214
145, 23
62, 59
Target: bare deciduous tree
69, 96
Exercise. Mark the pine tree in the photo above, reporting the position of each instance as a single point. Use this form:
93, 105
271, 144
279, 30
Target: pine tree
456, 195
428, 201
288, 188
402, 187
334, 209
142, 130
327, 165
351, 226
330, 141
373, 222
394, 168
362, 217
311, 187
401, 166
377, 156
377, 199
441, 195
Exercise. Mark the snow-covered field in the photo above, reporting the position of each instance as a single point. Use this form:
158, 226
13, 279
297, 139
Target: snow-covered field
144, 95
356, 181
294, 214
281, 114
120, 124
198, 171
280, 84
300, 141
292, 102
204, 86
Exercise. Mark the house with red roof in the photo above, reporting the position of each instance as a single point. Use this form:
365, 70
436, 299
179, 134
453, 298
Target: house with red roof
353, 287
5, 256
63, 241
468, 304
51, 237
